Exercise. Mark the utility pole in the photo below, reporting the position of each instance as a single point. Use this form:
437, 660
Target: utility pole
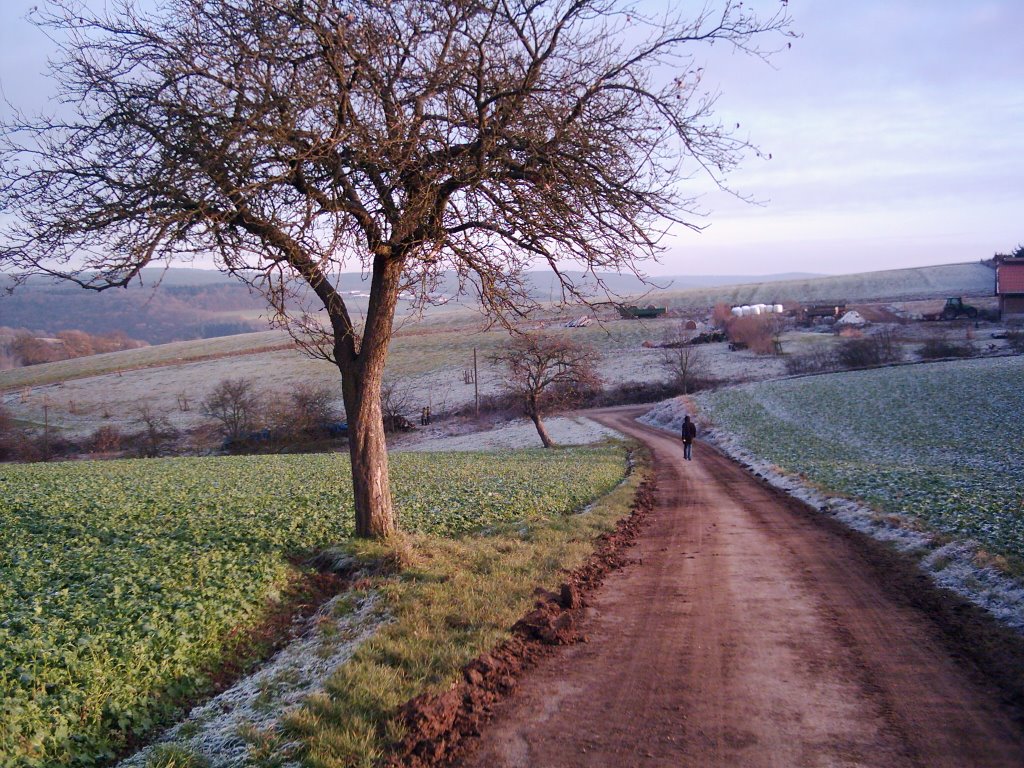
46, 428
476, 385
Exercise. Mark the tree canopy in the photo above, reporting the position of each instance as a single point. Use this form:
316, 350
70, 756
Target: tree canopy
290, 140
548, 373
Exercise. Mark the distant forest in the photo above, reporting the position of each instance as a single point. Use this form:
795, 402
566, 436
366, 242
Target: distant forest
153, 315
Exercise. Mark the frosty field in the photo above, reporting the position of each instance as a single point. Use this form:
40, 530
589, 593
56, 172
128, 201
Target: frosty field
942, 443
121, 582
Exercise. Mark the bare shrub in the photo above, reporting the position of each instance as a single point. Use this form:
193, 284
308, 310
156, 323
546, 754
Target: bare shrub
630, 392
888, 344
721, 315
1015, 339
817, 360
759, 333
106, 439
10, 436
312, 408
31, 446
878, 349
31, 350
24, 348
937, 349
293, 417
155, 430
858, 353
395, 403
76, 343
234, 405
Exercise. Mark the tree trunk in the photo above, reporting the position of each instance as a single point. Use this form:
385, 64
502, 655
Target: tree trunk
375, 512
362, 375
541, 429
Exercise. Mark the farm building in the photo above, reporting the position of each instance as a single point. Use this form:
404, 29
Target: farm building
1010, 286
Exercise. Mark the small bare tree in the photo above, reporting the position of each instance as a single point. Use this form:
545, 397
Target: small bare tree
294, 139
313, 407
10, 436
234, 405
685, 365
760, 333
548, 373
305, 411
396, 401
156, 429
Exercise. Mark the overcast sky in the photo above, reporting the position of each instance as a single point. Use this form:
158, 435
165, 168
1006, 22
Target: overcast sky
896, 130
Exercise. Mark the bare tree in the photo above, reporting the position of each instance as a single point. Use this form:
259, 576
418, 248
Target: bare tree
296, 415
292, 139
10, 436
396, 402
312, 407
548, 373
234, 405
684, 363
156, 429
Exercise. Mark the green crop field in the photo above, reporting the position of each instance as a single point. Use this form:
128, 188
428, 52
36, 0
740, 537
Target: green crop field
941, 443
121, 581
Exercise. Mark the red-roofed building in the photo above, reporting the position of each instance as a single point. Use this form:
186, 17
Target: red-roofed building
1010, 286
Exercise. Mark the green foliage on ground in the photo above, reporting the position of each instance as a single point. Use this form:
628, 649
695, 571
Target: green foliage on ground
121, 583
455, 598
941, 443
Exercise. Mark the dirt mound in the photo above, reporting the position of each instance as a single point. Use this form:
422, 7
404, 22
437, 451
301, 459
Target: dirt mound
439, 724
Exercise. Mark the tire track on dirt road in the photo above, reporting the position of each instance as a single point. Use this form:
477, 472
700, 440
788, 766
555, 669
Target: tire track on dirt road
748, 634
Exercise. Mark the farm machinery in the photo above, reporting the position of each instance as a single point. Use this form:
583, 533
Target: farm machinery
636, 313
808, 314
955, 307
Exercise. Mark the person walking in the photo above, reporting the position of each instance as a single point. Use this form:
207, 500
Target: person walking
689, 432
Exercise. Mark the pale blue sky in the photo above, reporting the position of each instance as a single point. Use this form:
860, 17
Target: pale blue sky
896, 129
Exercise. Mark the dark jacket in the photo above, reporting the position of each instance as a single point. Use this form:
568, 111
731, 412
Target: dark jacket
689, 431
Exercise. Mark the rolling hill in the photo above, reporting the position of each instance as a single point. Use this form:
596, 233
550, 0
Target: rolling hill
180, 304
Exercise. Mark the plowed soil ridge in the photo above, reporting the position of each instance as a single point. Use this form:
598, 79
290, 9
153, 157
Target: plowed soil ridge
439, 726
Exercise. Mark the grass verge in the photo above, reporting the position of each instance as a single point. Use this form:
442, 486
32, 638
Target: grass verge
451, 600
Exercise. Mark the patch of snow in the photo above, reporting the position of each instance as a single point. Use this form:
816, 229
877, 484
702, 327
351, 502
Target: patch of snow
853, 317
952, 566
260, 700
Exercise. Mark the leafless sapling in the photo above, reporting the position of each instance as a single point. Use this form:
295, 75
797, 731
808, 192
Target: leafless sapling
548, 374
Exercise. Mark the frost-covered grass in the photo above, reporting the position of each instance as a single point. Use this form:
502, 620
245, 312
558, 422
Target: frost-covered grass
970, 279
122, 583
941, 444
174, 353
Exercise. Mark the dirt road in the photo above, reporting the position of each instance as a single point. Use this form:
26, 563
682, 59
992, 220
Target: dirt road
748, 634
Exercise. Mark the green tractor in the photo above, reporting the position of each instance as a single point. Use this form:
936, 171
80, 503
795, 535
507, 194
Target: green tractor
955, 307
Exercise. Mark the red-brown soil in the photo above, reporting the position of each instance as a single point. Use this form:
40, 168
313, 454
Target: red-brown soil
751, 631
440, 727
